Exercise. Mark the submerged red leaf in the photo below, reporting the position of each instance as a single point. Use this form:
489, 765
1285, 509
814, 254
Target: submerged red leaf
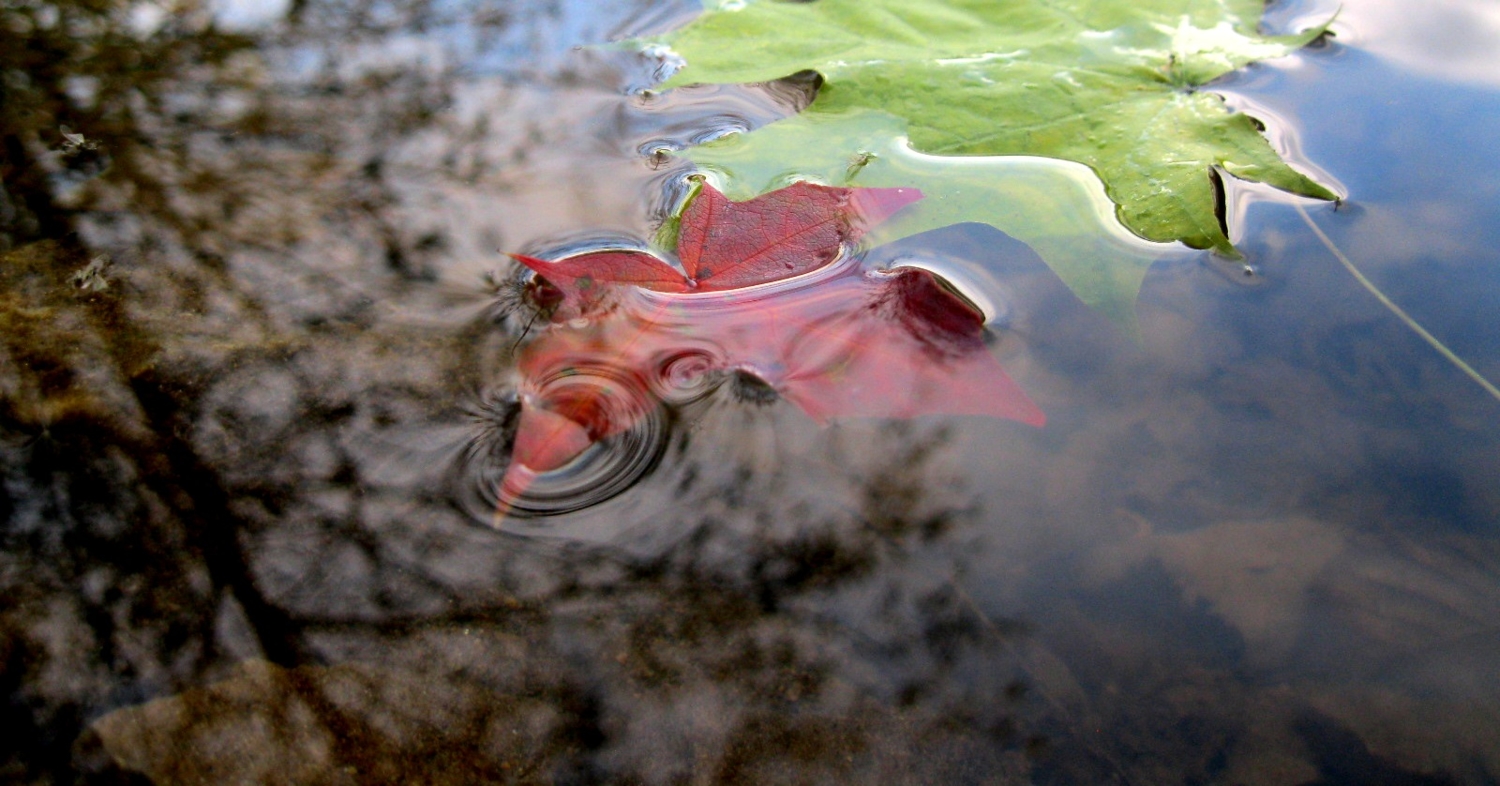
849, 344
547, 439
915, 348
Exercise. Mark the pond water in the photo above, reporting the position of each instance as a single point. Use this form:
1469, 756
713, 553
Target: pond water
258, 345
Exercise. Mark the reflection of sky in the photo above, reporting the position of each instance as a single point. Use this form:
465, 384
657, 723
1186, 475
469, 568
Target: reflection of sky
1282, 476
1416, 153
510, 37
1454, 39
552, 30
1418, 158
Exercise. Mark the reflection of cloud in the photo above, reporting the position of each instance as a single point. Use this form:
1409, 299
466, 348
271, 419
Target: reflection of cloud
1430, 230
1255, 575
1450, 38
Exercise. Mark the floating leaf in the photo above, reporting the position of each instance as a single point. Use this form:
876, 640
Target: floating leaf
1057, 207
730, 245
834, 339
1112, 85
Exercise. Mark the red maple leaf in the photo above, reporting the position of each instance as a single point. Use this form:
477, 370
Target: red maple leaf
725, 245
833, 339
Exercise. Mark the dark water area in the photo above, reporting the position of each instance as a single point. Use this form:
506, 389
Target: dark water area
258, 371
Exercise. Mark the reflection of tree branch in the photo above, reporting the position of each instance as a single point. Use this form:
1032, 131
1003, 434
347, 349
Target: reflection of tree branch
410, 624
892, 500
47, 50
205, 506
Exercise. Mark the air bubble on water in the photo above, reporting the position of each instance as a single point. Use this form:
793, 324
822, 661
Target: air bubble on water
1238, 271
657, 147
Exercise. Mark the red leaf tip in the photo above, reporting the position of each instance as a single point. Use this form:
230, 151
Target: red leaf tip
874, 205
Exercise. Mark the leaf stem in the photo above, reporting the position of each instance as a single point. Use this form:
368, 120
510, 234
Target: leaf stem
1395, 309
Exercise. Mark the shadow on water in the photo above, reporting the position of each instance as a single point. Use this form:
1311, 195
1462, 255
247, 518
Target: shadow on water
252, 296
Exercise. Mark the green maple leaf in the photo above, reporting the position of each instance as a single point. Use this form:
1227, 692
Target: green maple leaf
1110, 84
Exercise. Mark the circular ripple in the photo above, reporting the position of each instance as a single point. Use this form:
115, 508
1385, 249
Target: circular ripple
629, 427
684, 377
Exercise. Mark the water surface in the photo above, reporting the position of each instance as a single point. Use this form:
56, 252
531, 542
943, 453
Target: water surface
258, 361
